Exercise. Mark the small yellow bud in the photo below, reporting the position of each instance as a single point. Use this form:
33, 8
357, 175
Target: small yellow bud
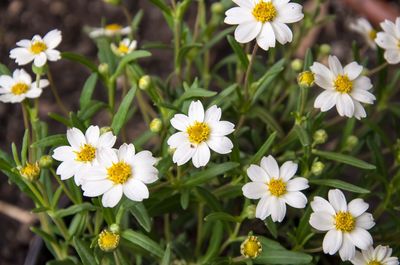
30, 171
144, 82
108, 241
217, 8
297, 65
251, 247
320, 136
325, 49
305, 79
45, 161
156, 125
317, 168
103, 68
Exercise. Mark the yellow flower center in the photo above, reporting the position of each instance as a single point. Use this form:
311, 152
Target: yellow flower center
119, 173
306, 78
372, 34
345, 222
343, 84
251, 247
198, 132
264, 11
19, 88
277, 187
86, 154
108, 241
38, 47
374, 262
123, 49
113, 27
30, 171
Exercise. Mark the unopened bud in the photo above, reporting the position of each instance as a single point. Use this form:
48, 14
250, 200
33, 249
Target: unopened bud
317, 168
305, 79
39, 70
103, 68
30, 171
320, 136
156, 125
351, 142
297, 64
325, 49
144, 82
217, 8
45, 161
250, 211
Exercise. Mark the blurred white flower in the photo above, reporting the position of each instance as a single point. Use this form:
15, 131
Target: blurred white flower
381, 255
200, 131
264, 20
109, 31
124, 47
363, 27
346, 224
389, 40
20, 86
120, 172
38, 50
82, 153
344, 87
275, 187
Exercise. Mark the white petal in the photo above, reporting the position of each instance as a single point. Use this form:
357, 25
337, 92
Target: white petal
53, 55
322, 221
363, 96
386, 41
359, 111
212, 115
22, 76
321, 70
390, 28
63, 153
67, 169
335, 65
221, 145
96, 188
332, 241
42, 83
33, 93
180, 122
257, 174
254, 190
365, 221
222, 128
144, 157
357, 207
270, 165
21, 55
92, 135
359, 259
126, 152
136, 190
238, 15
183, 154
177, 139
361, 238
196, 111
75, 138
6, 81
112, 196
248, 31
263, 209
266, 39
353, 70
40, 59
287, 170
201, 156
392, 56
347, 251
24, 43
295, 199
290, 13
52, 38
278, 209
244, 3
345, 105
145, 174
283, 33
297, 184
106, 157
337, 200
362, 82
106, 140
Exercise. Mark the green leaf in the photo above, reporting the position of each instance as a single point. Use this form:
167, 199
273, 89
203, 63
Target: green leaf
91, 109
196, 93
127, 59
141, 215
308, 60
209, 199
143, 242
14, 151
270, 244
303, 136
79, 59
4, 70
273, 256
185, 198
222, 216
25, 146
209, 173
167, 256
46, 236
214, 244
244, 62
263, 149
346, 159
84, 252
119, 119
264, 82
336, 183
75, 209
52, 140
185, 49
60, 119
267, 118
87, 90
271, 226
162, 5
67, 261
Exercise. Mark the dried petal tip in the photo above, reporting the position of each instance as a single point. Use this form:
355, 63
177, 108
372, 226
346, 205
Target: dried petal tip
251, 247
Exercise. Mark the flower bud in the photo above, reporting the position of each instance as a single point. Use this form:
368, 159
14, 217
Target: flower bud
156, 125
30, 171
320, 136
297, 65
251, 247
317, 168
144, 82
114, 228
305, 79
217, 8
45, 161
113, 2
103, 68
108, 241
250, 211
325, 49
351, 142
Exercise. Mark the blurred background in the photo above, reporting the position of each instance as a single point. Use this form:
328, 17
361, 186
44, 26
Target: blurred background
21, 19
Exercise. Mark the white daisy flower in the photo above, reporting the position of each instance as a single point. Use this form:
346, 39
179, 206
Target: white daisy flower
275, 187
82, 153
389, 40
199, 132
38, 50
346, 224
381, 255
20, 86
363, 27
110, 30
344, 87
121, 172
124, 47
264, 20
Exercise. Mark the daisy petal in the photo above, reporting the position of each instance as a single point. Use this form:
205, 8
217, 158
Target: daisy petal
136, 190
332, 241
201, 156
254, 190
112, 196
257, 174
270, 165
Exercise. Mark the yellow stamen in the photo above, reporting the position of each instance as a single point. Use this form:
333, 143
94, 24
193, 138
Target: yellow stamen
19, 88
374, 262
306, 79
38, 47
277, 187
264, 11
86, 154
251, 247
198, 132
113, 27
343, 84
30, 171
372, 34
108, 241
119, 173
123, 49
345, 222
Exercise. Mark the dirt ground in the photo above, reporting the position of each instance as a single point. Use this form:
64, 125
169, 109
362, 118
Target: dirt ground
21, 19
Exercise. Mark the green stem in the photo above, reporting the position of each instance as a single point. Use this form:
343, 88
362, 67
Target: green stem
55, 93
167, 228
199, 239
248, 72
377, 69
64, 187
26, 125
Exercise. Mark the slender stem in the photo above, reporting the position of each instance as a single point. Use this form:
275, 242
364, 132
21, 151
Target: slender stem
199, 239
377, 69
62, 184
143, 107
26, 125
167, 228
55, 93
248, 72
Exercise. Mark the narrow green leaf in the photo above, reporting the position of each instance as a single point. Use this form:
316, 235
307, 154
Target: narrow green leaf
46, 236
25, 146
222, 216
271, 226
244, 62
127, 59
84, 252
167, 256
4, 70
346, 159
119, 119
303, 136
87, 90
210, 173
185, 198
91, 109
214, 244
141, 215
60, 119
67, 261
308, 60
162, 5
143, 242
15, 154
75, 209
336, 183
79, 59
263, 149
209, 199
267, 118
196, 93
52, 140
270, 256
